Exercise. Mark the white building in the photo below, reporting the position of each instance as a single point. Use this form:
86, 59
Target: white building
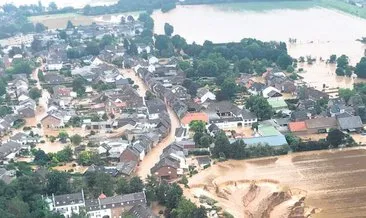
204, 94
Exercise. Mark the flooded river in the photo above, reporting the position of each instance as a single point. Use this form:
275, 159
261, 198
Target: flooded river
320, 32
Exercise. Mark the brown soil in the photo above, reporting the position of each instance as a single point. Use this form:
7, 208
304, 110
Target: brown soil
312, 184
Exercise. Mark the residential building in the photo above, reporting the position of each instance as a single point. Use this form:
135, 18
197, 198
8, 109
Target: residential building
51, 121
204, 94
350, 123
67, 204
196, 116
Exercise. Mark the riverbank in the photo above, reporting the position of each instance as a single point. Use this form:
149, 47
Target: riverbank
343, 6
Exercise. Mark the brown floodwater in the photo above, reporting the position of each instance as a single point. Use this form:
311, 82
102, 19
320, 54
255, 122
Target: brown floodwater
332, 182
320, 32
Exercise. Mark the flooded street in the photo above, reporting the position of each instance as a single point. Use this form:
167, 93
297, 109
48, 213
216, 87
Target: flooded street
152, 157
332, 183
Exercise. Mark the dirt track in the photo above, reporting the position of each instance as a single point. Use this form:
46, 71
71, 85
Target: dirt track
331, 182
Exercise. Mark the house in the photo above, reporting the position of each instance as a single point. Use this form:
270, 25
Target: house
7, 176
54, 79
104, 206
197, 116
141, 211
180, 134
271, 92
155, 107
300, 115
303, 92
52, 121
99, 126
225, 114
321, 125
26, 112
213, 129
67, 204
350, 123
127, 168
130, 154
23, 138
10, 150
54, 65
256, 88
298, 127
267, 130
166, 169
204, 161
107, 170
278, 104
204, 94
273, 140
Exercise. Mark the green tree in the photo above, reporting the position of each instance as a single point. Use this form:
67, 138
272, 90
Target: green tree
197, 126
62, 34
333, 59
168, 29
18, 208
40, 157
360, 69
187, 209
123, 186
92, 48
35, 93
78, 86
52, 6
222, 145
173, 196
335, 137
284, 60
40, 75
69, 25
76, 139
148, 21
260, 106
22, 67
65, 155
40, 27
342, 61
99, 182
57, 183
228, 89
245, 66
136, 185
87, 158
346, 94
63, 136
179, 42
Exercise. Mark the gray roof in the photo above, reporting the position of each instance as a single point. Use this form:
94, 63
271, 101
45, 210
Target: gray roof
179, 132
322, 122
141, 211
9, 147
248, 115
130, 199
126, 168
155, 106
353, 122
69, 199
223, 107
165, 162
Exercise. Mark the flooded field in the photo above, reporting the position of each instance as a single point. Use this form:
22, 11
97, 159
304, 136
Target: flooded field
326, 184
315, 28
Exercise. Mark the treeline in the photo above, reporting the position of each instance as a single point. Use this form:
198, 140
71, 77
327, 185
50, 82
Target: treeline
223, 149
23, 196
127, 5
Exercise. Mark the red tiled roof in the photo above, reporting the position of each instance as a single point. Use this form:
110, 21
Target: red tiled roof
189, 117
297, 126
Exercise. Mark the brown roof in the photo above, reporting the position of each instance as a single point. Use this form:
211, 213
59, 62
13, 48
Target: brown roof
189, 117
322, 122
297, 126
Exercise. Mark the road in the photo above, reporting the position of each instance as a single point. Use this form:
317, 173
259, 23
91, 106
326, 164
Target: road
153, 156
42, 107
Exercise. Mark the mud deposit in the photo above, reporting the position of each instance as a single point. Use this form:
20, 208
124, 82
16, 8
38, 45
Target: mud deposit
314, 184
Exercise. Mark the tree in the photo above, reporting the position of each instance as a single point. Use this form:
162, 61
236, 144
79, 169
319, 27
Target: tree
40, 27
332, 58
87, 158
22, 67
35, 93
92, 48
123, 187
346, 94
340, 71
191, 87
69, 25
173, 196
187, 209
78, 86
36, 45
260, 106
52, 6
245, 66
342, 61
284, 60
99, 182
179, 42
40, 75
228, 89
18, 208
76, 139
62, 34
168, 29
335, 137
57, 183
64, 155
361, 68
222, 145
197, 126
63, 136
41, 158
147, 20
136, 185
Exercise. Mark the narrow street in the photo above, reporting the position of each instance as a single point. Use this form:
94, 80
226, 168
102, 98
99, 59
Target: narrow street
153, 156
42, 107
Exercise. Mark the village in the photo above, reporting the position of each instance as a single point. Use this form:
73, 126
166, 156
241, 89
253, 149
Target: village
126, 112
